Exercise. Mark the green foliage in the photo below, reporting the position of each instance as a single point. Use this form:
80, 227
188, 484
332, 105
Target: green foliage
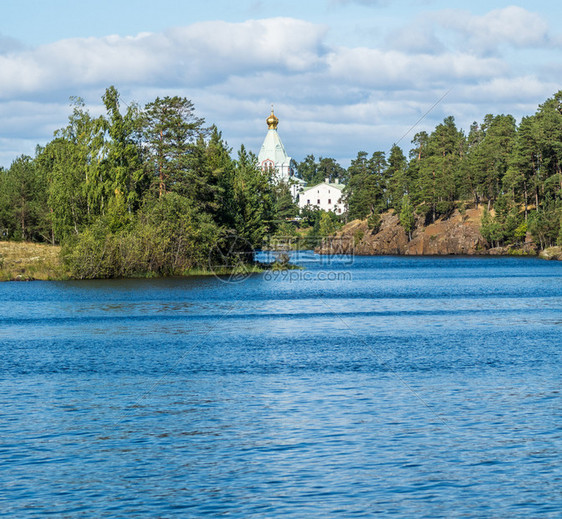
141, 192
310, 216
74, 197
170, 131
168, 236
122, 163
374, 222
358, 236
438, 171
23, 202
400, 177
517, 170
544, 226
252, 200
491, 229
506, 226
327, 225
284, 207
322, 224
316, 172
286, 235
308, 170
520, 232
367, 185
407, 217
148, 190
489, 156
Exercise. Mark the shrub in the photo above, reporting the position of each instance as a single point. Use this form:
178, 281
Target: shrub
374, 223
167, 237
358, 236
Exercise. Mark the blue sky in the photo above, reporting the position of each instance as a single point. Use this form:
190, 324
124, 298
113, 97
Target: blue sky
344, 75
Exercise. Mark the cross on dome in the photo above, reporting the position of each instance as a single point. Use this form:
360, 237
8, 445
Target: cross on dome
272, 121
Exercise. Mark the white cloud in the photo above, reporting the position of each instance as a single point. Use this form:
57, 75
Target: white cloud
198, 54
18, 116
293, 45
11, 148
419, 38
377, 68
332, 101
509, 90
369, 3
511, 26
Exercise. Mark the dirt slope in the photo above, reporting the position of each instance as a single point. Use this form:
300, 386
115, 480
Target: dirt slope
458, 234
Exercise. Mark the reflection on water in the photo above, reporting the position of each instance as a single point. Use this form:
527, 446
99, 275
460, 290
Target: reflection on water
415, 387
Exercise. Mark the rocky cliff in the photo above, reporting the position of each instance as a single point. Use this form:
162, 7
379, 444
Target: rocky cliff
458, 234
551, 253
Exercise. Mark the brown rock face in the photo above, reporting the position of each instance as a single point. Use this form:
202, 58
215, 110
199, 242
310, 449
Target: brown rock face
551, 253
459, 234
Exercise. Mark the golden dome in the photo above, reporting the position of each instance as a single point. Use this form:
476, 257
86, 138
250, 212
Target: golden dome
272, 121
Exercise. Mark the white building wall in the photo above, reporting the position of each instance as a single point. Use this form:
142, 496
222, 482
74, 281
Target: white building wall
273, 157
328, 197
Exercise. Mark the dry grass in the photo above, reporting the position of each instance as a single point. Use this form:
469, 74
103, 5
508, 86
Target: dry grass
474, 215
27, 261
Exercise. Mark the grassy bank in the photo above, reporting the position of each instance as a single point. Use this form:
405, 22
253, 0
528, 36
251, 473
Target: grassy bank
26, 261
23, 261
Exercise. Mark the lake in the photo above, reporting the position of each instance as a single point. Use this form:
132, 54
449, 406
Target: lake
391, 386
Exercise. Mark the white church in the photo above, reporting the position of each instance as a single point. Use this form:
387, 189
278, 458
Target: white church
273, 157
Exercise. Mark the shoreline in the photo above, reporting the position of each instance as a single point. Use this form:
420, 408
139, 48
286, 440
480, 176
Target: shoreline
27, 261
19, 276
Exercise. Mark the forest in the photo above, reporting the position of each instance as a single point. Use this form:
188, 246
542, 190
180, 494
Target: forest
513, 170
141, 191
154, 191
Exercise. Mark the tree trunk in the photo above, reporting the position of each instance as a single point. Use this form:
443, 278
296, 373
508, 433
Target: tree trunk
23, 220
161, 172
52, 227
536, 172
537, 197
526, 199
433, 201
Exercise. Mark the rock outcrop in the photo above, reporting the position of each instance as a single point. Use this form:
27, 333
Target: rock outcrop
551, 253
459, 234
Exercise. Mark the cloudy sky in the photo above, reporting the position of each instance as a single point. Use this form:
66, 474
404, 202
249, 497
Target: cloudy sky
343, 75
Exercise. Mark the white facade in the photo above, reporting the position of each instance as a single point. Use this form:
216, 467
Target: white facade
272, 156
327, 196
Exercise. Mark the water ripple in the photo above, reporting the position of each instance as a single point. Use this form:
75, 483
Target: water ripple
420, 387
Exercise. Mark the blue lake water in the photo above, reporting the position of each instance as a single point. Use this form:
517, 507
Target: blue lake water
403, 387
